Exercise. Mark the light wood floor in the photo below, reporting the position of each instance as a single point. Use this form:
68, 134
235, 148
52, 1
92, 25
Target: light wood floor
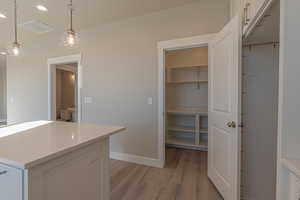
184, 178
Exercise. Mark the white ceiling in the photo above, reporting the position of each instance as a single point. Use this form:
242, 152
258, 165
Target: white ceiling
88, 13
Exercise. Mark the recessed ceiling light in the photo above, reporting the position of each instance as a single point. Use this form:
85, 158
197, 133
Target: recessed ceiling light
2, 16
41, 8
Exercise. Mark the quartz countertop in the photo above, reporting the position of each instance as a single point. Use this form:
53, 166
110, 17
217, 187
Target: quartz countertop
28, 144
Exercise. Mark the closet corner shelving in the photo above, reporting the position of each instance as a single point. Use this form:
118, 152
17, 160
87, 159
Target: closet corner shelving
186, 105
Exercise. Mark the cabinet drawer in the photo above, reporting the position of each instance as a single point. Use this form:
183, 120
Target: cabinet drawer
11, 181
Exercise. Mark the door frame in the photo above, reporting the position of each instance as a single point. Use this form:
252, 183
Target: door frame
52, 63
163, 46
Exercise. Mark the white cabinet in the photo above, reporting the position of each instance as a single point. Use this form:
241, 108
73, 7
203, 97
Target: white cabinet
248, 13
253, 12
79, 174
11, 183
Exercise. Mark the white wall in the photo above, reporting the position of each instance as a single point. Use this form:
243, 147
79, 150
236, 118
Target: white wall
235, 5
119, 71
2, 88
289, 85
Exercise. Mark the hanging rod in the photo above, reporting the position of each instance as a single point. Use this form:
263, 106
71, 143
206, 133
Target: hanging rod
260, 44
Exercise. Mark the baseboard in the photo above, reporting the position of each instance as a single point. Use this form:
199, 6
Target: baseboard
2, 120
136, 159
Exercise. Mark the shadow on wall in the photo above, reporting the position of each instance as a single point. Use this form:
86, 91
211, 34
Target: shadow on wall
3, 105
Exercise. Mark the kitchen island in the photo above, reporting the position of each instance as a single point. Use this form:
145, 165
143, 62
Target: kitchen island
47, 160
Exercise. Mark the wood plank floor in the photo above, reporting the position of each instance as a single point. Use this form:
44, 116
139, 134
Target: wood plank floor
183, 178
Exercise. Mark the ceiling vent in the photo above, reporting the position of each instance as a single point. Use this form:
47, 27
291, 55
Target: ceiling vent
36, 27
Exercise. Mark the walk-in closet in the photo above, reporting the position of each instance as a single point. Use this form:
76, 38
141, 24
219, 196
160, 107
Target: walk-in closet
260, 80
186, 93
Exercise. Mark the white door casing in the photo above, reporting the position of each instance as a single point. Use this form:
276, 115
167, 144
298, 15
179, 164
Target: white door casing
224, 108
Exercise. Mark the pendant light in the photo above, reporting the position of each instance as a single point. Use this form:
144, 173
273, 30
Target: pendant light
70, 38
15, 49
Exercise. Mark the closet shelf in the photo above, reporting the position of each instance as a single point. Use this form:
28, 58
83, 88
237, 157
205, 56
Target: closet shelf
186, 142
182, 129
188, 111
186, 129
188, 67
187, 81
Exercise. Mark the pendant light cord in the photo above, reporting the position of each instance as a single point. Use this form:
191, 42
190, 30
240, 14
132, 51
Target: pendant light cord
15, 14
71, 14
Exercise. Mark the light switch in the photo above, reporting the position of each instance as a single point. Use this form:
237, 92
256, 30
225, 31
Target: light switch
12, 100
88, 100
150, 100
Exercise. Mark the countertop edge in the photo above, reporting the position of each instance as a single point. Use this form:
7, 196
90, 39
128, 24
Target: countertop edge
30, 164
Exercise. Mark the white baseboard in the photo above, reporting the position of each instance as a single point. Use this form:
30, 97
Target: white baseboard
2, 120
136, 159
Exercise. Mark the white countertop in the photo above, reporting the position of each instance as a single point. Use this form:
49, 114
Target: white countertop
25, 145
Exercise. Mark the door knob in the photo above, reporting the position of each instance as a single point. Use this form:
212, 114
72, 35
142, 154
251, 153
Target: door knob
231, 124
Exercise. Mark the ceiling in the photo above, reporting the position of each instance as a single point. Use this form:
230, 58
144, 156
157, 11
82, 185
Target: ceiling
88, 13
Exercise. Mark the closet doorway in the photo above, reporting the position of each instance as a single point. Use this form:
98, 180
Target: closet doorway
199, 102
64, 89
183, 94
186, 98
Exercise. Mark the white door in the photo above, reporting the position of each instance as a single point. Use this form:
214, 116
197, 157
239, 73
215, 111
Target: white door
224, 108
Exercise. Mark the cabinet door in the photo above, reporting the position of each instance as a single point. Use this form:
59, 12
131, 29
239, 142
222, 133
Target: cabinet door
79, 175
10, 183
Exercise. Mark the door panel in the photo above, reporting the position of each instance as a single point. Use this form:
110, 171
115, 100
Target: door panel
224, 109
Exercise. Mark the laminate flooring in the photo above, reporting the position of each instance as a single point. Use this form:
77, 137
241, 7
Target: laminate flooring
183, 178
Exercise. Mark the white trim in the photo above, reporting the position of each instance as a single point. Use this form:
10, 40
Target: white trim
183, 43
282, 48
136, 159
65, 60
3, 120
68, 68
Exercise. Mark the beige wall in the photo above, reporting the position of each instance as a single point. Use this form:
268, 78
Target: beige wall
2, 88
119, 71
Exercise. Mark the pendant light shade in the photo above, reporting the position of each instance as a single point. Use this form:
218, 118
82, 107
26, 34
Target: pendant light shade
70, 37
